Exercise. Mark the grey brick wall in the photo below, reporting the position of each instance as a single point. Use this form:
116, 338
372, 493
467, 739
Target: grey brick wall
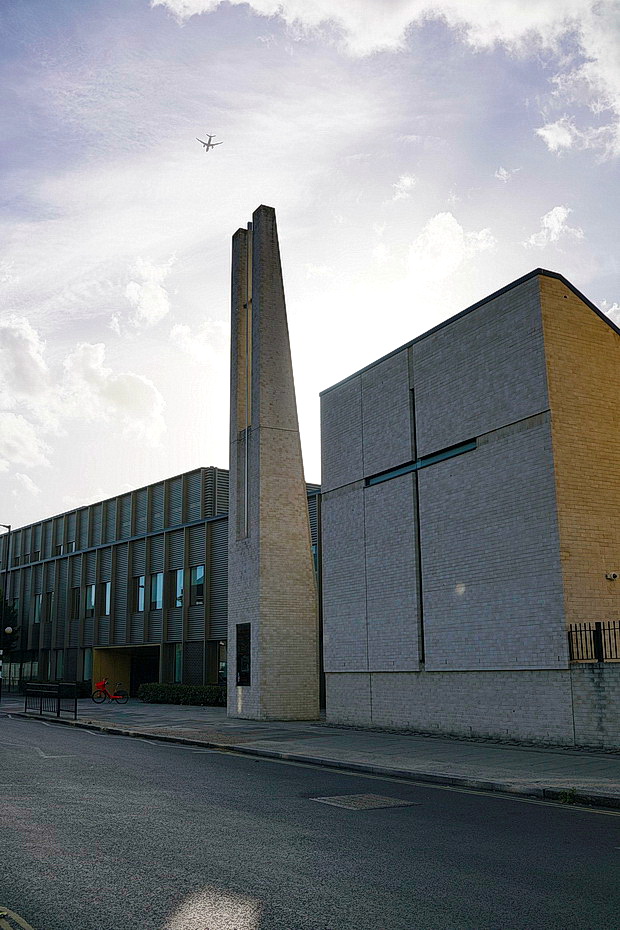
482, 371
341, 435
386, 414
492, 585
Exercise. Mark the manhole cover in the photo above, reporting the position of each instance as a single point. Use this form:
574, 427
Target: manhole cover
364, 802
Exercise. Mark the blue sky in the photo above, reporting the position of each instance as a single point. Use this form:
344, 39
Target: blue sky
419, 156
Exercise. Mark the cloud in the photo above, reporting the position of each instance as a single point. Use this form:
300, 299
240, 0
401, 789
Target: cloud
589, 28
21, 442
553, 226
93, 391
207, 345
404, 186
559, 135
505, 174
22, 366
612, 311
443, 246
28, 484
148, 296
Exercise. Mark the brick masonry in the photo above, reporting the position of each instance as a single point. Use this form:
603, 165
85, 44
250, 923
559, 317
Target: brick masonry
515, 536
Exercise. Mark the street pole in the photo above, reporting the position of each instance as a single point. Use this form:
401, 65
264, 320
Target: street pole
5, 595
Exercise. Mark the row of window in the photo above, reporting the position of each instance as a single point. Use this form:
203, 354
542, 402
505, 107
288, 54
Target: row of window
35, 556
175, 589
102, 606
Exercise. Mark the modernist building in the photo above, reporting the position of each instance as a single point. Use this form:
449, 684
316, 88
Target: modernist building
133, 588
471, 516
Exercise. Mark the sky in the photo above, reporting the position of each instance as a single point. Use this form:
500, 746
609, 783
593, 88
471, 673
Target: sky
419, 155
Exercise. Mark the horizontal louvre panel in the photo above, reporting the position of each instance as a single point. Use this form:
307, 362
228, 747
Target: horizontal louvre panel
156, 558
109, 520
76, 571
136, 630
46, 548
105, 563
89, 627
104, 631
197, 545
83, 528
218, 587
74, 632
47, 636
221, 491
156, 626
138, 557
38, 579
125, 516
121, 592
58, 531
36, 538
175, 625
157, 507
176, 548
312, 513
50, 576
196, 623
97, 518
71, 527
194, 491
91, 566
175, 502
141, 502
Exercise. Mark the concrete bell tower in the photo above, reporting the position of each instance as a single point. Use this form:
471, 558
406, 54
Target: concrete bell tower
272, 598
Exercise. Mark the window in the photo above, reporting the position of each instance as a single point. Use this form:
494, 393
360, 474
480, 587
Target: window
60, 664
176, 580
138, 593
90, 600
75, 603
105, 594
58, 549
70, 547
38, 599
49, 606
36, 555
197, 586
178, 663
88, 664
157, 591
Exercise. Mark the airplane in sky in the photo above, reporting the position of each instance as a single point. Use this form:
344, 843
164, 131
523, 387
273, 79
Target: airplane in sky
208, 145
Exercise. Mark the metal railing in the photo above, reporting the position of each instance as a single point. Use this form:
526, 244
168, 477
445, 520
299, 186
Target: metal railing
54, 698
594, 641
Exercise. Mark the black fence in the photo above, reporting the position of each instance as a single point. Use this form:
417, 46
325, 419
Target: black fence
56, 699
594, 641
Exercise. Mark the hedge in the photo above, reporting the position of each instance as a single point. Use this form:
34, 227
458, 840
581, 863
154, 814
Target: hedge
198, 695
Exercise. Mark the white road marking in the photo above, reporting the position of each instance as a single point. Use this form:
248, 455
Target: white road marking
45, 756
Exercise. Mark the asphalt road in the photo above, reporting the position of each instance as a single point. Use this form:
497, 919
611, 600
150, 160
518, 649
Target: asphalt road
103, 832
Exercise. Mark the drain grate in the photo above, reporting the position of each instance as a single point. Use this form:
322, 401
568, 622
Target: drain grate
364, 802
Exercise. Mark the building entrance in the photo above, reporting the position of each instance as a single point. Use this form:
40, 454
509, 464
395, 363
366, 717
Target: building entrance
131, 665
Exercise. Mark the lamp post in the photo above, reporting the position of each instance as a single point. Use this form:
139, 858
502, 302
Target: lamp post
5, 595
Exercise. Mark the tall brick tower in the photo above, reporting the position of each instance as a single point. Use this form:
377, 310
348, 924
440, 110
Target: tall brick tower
272, 599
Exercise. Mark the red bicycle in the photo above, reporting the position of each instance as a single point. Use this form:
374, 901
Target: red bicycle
101, 693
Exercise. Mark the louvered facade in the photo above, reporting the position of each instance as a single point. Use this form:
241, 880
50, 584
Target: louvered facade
135, 586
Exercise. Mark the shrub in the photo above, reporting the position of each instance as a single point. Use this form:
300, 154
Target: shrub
197, 695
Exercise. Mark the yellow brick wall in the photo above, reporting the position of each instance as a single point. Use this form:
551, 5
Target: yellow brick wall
583, 370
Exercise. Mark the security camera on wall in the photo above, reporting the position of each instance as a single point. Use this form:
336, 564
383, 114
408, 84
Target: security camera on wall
612, 576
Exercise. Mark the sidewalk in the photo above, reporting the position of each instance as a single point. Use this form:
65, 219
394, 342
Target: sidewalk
571, 775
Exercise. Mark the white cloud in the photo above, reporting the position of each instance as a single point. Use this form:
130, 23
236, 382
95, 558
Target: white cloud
505, 174
21, 442
148, 296
559, 135
404, 186
443, 246
590, 27
23, 369
612, 311
93, 391
208, 344
28, 484
553, 226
